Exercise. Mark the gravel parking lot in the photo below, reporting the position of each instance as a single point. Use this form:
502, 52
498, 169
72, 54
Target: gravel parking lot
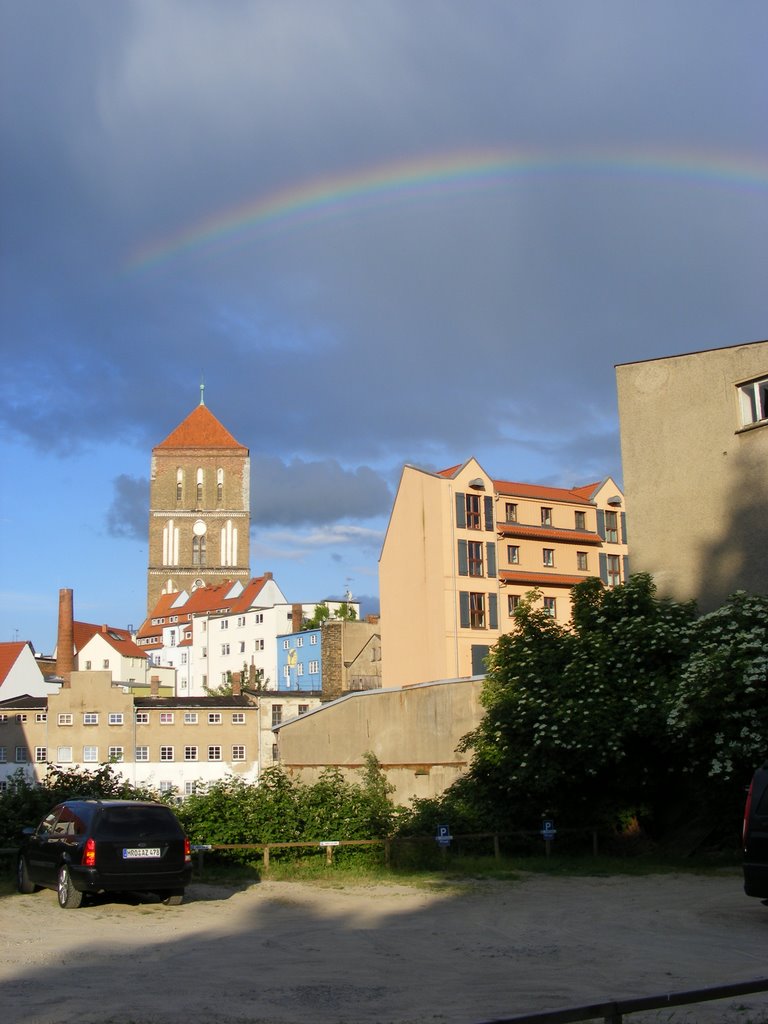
289, 953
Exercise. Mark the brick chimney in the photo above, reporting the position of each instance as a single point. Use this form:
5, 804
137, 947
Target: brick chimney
65, 642
154, 686
236, 684
297, 618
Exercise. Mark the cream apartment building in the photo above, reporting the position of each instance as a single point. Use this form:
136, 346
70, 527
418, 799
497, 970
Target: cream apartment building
694, 443
166, 743
462, 549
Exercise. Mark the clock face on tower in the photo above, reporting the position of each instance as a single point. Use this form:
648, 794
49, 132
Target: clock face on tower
199, 528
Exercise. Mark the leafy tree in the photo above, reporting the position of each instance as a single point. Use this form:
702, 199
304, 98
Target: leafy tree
575, 721
322, 614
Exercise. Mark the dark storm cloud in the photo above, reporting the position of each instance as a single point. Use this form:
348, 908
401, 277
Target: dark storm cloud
127, 515
443, 324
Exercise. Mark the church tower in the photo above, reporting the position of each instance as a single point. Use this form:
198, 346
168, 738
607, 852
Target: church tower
199, 508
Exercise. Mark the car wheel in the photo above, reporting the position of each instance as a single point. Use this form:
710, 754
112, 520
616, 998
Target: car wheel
69, 897
23, 882
173, 899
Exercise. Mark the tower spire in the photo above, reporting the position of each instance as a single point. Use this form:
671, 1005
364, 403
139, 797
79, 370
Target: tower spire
202, 391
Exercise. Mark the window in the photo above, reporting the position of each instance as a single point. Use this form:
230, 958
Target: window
90, 754
199, 481
190, 788
3, 755
241, 620
475, 558
613, 568
225, 648
314, 668
753, 399
219, 485
115, 753
184, 658
142, 753
313, 639
277, 714
303, 709
64, 755
166, 753
198, 550
286, 672
115, 718
513, 603
258, 645
477, 611
258, 618
41, 754
285, 645
513, 554
65, 719
214, 753
581, 520
550, 606
214, 718
612, 527
190, 718
166, 718
190, 753
238, 752
299, 641
224, 678
546, 516
242, 646
510, 512
142, 717
22, 755
582, 560
41, 716
91, 718
548, 556
275, 752
105, 663
473, 511
300, 669
166, 786
179, 484
224, 624
21, 718
238, 718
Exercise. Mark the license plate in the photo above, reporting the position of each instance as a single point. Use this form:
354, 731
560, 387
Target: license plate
141, 852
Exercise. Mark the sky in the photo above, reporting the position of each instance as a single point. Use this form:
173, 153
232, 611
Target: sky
381, 231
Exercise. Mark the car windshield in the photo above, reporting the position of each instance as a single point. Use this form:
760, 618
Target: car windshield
129, 822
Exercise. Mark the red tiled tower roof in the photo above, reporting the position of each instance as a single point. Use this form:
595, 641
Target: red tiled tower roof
201, 429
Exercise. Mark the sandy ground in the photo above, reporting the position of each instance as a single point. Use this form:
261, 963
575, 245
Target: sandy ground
288, 953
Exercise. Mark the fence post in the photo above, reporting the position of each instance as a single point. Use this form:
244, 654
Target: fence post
386, 853
329, 855
265, 853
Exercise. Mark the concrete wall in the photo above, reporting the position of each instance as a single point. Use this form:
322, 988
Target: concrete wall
413, 732
695, 480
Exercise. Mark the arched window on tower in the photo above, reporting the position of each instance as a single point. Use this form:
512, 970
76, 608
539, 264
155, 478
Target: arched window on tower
198, 550
179, 484
199, 487
219, 485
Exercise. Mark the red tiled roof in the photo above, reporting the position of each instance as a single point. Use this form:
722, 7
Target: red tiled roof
449, 472
548, 533
574, 495
201, 429
119, 639
540, 579
9, 653
587, 490
251, 591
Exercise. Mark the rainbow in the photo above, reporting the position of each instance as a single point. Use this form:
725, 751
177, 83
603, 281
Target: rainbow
439, 174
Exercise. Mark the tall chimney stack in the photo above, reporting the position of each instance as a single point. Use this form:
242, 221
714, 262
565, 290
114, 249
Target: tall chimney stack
65, 642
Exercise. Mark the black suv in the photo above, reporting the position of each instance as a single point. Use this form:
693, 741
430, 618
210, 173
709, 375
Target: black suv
756, 835
89, 846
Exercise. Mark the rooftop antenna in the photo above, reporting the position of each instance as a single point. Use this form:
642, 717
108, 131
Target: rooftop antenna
202, 390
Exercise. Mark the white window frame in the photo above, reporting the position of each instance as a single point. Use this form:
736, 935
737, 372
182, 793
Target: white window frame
90, 754
753, 401
238, 752
115, 718
214, 718
214, 752
141, 753
116, 753
142, 718
65, 718
190, 718
166, 753
190, 753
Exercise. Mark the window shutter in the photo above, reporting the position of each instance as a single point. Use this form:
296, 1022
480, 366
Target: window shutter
488, 504
601, 523
464, 609
623, 527
493, 611
490, 557
625, 560
463, 569
461, 511
604, 568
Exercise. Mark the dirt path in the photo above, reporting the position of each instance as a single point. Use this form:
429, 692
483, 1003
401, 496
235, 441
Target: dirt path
287, 953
